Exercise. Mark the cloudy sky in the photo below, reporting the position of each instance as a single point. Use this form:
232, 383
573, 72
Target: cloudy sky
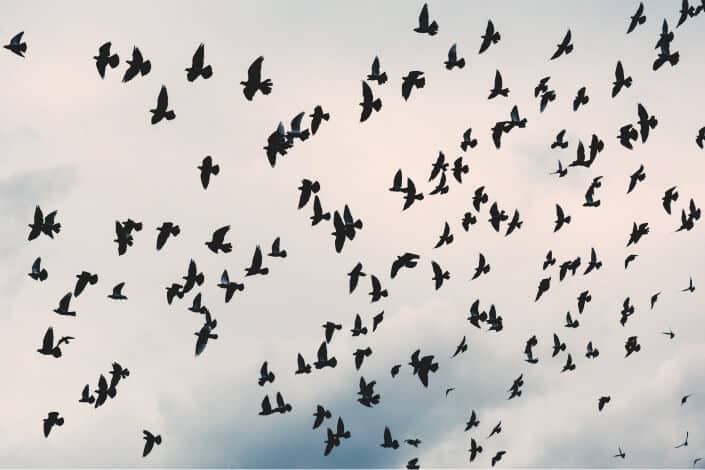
85, 147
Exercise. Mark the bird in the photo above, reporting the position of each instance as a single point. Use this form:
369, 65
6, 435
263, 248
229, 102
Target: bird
469, 142
490, 37
105, 59
205, 334
695, 462
593, 263
307, 189
296, 132
515, 388
561, 218
407, 260
318, 214
422, 367
43, 224
424, 26
52, 419
16, 46
395, 370
497, 216
369, 102
550, 260
635, 178
414, 79
700, 138
654, 298
685, 443
360, 355
461, 348
193, 278
498, 456
207, 169
602, 401
197, 68
440, 165
479, 197
84, 278
166, 230
453, 60
439, 275
569, 322
86, 396
150, 440
137, 66
473, 422
664, 46
375, 74
474, 449
355, 276
377, 292
528, 350
254, 81
568, 364
497, 89
63, 308
265, 375
117, 294
621, 453
620, 81
560, 143
669, 196
413, 442
38, 273
302, 367
277, 144
627, 134
690, 288
389, 443
638, 18
592, 352
376, 320
48, 348
685, 399
317, 118
217, 242
581, 99
277, 252
631, 257
161, 112
496, 430
686, 11
544, 285
558, 346
413, 464
446, 238
482, 267
320, 415
646, 122
256, 264
323, 359
514, 224
565, 47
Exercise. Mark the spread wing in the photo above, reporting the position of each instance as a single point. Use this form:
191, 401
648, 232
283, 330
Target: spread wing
163, 99
254, 73
197, 60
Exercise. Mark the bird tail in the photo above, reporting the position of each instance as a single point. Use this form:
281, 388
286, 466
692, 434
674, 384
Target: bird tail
377, 104
464, 146
169, 115
382, 79
146, 67
332, 362
461, 63
43, 275
200, 279
207, 72
227, 247
265, 87
113, 61
158, 439
433, 28
264, 270
215, 170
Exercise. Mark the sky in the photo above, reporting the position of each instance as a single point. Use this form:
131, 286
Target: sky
84, 146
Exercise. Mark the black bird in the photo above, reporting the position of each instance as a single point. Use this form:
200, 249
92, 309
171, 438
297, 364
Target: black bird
395, 370
475, 316
332, 441
621, 453
581, 99
685, 443
515, 389
542, 87
413, 464
441, 187
638, 232
558, 345
459, 169
497, 216
629, 259
654, 298
323, 360
498, 130
355, 276
407, 260
496, 430
266, 406
193, 277
376, 320
544, 285
42, 224
306, 189
175, 290
632, 346
205, 334
594, 263
197, 69
627, 311
414, 79
413, 442
569, 322
686, 11
664, 46
103, 392
490, 37
63, 308
602, 401
627, 133
360, 355
369, 102
52, 419
685, 399
377, 291
137, 66
207, 169
422, 366
296, 132
277, 252
16, 46
546, 98
453, 60
317, 118
497, 89
165, 230
636, 177
256, 264
561, 218
550, 260
303, 368
105, 59
591, 352
569, 365
516, 121
397, 182
514, 224
117, 294
277, 144
318, 214
620, 81
700, 138
560, 143
86, 396
320, 414
217, 242
161, 112
38, 273
48, 348
468, 220
669, 196
637, 18
469, 142
375, 74
474, 449
439, 275
690, 288
498, 456
117, 374
473, 422
528, 350
149, 441
265, 375
424, 26
669, 333
389, 443
461, 348
440, 165
565, 47
446, 238
483, 267
254, 81
646, 122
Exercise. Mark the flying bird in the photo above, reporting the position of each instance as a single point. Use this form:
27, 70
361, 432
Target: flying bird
453, 60
375, 74
161, 112
137, 66
197, 68
150, 440
565, 47
207, 169
490, 37
16, 46
369, 102
638, 18
254, 81
424, 26
105, 59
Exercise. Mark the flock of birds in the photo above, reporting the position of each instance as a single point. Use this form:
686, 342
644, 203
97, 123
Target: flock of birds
345, 227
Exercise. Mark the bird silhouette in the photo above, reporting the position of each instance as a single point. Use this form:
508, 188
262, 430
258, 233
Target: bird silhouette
277, 144
664, 46
473, 422
320, 415
620, 453
474, 449
377, 292
52, 419
217, 242
669, 196
265, 375
482, 267
561, 218
685, 443
355, 276
254, 81
38, 273
422, 367
43, 224
407, 260
646, 122
497, 88
424, 26
256, 264
16, 46
150, 440
602, 401
591, 351
105, 59
296, 132
369, 102
137, 66
375, 74
489, 38
469, 142
117, 294
302, 367
317, 118
638, 18
620, 81
360, 355
453, 60
63, 308
166, 230
197, 68
498, 456
565, 46
161, 112
207, 169
84, 279
439, 275
48, 348
322, 358
414, 79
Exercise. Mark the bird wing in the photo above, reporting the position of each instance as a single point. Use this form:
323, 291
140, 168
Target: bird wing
162, 99
254, 72
197, 60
